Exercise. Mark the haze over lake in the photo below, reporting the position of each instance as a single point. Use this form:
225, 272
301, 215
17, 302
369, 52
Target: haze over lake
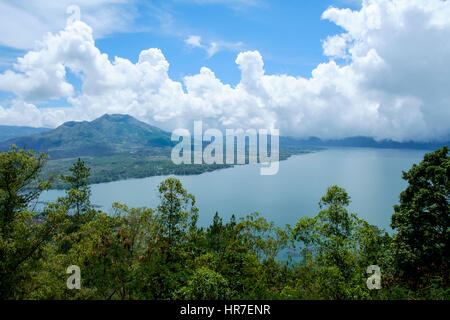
372, 177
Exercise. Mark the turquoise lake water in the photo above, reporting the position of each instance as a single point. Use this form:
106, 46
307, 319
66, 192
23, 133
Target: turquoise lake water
372, 177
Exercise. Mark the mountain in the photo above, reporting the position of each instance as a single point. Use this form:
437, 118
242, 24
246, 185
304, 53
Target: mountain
360, 142
118, 147
113, 134
9, 132
104, 136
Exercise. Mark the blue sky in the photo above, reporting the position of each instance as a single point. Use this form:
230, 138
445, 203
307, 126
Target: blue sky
288, 36
330, 69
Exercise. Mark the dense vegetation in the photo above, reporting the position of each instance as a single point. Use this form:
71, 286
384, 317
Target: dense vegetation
104, 136
123, 166
161, 253
139, 165
116, 147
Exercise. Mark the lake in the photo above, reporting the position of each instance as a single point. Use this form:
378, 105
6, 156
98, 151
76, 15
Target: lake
372, 177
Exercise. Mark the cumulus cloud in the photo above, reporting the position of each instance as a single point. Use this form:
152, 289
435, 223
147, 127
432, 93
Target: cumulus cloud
393, 82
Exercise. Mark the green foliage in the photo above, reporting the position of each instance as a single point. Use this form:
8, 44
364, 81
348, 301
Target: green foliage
155, 162
422, 221
206, 284
335, 246
176, 208
117, 147
79, 191
22, 237
19, 169
107, 135
261, 236
114, 258
161, 253
76, 205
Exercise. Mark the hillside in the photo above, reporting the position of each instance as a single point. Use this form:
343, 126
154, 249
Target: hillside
114, 146
122, 134
119, 147
10, 132
104, 136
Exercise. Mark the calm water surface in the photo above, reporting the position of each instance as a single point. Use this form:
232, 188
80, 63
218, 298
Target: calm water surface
372, 177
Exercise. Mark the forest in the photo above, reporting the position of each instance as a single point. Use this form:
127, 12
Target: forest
161, 253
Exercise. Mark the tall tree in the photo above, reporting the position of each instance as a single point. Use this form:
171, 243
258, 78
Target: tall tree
175, 209
19, 184
422, 219
336, 247
23, 233
77, 205
79, 191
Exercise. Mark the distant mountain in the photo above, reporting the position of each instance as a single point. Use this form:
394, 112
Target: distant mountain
119, 147
122, 134
361, 142
9, 132
107, 135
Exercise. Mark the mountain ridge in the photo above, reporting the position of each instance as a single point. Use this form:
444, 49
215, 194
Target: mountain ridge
107, 135
118, 146
11, 132
362, 142
113, 134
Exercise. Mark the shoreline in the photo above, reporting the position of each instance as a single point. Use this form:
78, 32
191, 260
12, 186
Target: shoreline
189, 168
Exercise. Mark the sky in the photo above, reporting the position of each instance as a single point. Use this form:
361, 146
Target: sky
324, 68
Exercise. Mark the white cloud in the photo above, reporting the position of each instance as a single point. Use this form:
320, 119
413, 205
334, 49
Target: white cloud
25, 21
194, 41
393, 85
336, 46
20, 113
213, 47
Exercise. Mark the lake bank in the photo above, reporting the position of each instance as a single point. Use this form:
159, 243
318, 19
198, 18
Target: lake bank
372, 177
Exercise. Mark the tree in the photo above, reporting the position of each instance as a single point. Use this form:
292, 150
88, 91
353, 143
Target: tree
336, 247
206, 284
76, 203
214, 233
422, 219
175, 209
118, 251
330, 231
19, 184
79, 191
23, 234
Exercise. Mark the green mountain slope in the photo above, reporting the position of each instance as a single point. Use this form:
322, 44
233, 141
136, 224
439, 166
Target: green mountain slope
115, 147
10, 132
104, 136
119, 147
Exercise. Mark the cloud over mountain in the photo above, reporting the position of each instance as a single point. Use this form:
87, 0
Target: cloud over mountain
387, 77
